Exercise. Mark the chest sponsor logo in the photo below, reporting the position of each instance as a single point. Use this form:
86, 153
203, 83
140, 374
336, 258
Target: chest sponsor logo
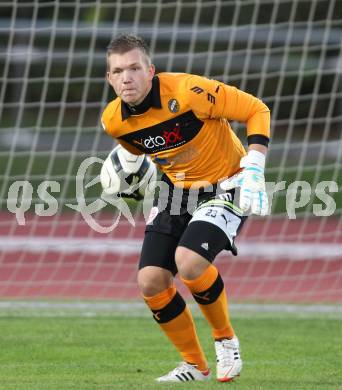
167, 139
165, 135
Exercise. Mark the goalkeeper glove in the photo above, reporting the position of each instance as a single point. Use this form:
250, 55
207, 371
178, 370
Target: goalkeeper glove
251, 181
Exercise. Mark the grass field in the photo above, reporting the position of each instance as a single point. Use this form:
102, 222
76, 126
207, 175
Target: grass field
118, 352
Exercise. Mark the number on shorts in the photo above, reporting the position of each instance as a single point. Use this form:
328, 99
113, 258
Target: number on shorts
211, 213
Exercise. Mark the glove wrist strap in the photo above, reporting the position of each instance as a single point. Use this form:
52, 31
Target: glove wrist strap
256, 158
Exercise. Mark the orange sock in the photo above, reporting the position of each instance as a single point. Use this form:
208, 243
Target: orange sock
175, 319
209, 292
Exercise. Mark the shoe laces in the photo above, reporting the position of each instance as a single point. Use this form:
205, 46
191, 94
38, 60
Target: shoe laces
225, 351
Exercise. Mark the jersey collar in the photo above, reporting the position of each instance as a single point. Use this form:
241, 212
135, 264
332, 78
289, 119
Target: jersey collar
151, 100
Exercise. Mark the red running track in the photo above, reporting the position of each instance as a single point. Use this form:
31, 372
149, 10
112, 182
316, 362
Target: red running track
82, 273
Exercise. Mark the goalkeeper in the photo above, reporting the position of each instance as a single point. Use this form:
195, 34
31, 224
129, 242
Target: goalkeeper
181, 121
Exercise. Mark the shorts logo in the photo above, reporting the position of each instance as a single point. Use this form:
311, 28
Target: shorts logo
205, 246
173, 105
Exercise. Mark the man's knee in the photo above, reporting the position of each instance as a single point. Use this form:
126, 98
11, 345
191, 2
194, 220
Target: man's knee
190, 264
153, 280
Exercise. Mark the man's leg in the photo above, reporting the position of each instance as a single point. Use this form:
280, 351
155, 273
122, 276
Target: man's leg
207, 288
168, 307
199, 245
171, 313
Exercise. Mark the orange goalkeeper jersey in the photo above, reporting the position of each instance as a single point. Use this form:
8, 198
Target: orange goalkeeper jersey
185, 127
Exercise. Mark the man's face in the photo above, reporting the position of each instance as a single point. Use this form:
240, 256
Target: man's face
130, 76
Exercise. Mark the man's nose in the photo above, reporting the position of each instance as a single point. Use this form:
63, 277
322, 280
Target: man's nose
126, 78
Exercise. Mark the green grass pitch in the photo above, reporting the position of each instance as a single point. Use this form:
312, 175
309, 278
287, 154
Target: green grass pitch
113, 352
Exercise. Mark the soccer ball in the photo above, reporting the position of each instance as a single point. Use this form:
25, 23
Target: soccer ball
127, 174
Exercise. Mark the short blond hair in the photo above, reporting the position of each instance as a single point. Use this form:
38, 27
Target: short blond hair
127, 42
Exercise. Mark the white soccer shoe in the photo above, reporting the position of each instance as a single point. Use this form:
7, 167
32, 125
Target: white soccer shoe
229, 363
185, 372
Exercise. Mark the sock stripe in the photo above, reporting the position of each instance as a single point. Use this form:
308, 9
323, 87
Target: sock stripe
172, 310
210, 295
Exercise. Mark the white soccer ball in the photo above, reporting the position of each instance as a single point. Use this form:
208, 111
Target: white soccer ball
125, 173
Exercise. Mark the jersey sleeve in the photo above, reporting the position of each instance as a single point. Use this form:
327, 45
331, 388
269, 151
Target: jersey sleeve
213, 99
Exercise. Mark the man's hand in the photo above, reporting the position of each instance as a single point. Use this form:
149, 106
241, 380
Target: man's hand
251, 180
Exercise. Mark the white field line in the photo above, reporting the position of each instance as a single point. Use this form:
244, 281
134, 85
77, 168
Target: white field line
139, 309
122, 246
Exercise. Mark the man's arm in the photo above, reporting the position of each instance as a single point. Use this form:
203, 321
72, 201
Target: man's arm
259, 148
213, 99
216, 100
244, 107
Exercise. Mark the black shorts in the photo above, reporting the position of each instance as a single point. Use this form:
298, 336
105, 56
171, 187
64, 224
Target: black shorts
210, 228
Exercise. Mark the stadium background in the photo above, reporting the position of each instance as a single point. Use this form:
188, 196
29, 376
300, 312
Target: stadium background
53, 90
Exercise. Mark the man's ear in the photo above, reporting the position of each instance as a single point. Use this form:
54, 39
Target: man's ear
108, 79
152, 70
